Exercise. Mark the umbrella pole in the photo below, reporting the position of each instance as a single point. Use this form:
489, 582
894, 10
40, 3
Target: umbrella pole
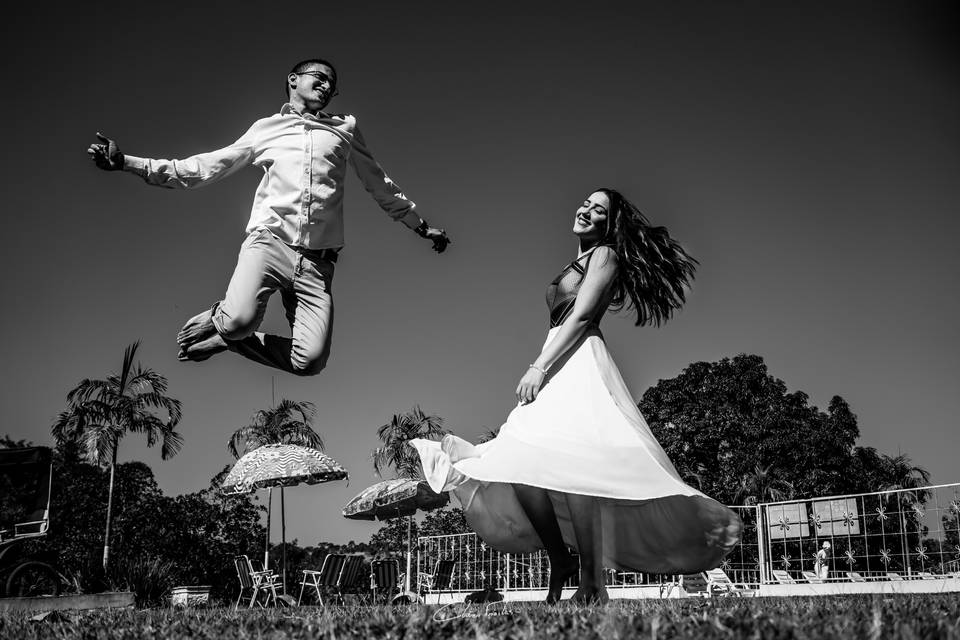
409, 535
283, 529
266, 544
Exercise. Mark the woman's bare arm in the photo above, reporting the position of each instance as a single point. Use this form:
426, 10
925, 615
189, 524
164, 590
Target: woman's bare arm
594, 292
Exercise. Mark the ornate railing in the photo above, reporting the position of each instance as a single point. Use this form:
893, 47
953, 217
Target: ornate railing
886, 534
902, 532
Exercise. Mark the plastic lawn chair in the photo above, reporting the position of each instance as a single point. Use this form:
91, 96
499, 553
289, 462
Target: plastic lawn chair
257, 582
384, 577
352, 570
337, 573
326, 577
438, 581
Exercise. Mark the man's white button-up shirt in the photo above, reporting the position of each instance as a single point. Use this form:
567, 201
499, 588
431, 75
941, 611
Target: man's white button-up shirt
304, 159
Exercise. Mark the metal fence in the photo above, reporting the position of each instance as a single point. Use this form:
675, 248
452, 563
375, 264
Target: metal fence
479, 566
899, 533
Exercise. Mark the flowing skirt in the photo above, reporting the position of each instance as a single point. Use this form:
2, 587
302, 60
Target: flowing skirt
584, 435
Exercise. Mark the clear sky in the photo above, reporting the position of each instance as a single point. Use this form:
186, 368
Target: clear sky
807, 154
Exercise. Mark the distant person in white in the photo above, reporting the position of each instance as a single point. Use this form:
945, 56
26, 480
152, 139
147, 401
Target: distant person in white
820, 566
296, 224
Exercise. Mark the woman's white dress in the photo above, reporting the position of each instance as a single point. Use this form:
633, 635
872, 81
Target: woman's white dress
584, 435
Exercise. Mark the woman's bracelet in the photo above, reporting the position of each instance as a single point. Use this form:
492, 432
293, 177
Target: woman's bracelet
540, 369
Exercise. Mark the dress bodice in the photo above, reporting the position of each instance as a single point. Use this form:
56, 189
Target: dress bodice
562, 292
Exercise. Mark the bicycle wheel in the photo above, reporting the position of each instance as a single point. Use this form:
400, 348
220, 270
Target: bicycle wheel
33, 579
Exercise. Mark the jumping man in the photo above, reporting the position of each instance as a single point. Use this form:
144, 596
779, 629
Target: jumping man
296, 226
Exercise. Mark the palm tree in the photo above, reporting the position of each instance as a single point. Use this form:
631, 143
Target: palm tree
762, 485
290, 422
100, 412
901, 483
901, 473
395, 452
488, 435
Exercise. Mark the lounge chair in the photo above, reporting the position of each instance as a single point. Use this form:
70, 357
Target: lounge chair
926, 575
719, 582
811, 577
337, 573
853, 576
258, 582
384, 577
783, 577
438, 581
894, 576
695, 584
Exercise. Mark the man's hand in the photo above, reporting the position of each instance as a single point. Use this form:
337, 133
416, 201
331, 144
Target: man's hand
438, 237
106, 154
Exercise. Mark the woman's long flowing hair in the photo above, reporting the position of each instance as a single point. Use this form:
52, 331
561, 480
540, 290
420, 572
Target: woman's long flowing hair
654, 270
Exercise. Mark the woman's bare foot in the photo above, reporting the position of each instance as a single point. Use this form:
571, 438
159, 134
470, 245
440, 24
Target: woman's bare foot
590, 594
560, 572
197, 329
200, 351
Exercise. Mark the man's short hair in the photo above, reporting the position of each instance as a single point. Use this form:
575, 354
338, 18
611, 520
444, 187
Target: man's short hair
303, 65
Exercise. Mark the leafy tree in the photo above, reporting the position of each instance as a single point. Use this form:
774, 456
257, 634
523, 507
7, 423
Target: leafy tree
6, 442
395, 451
200, 533
443, 522
735, 431
393, 534
100, 412
192, 537
290, 422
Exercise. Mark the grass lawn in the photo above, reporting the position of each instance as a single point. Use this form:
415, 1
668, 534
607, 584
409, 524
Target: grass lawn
846, 617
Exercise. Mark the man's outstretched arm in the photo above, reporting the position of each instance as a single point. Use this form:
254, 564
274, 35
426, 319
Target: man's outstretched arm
190, 172
388, 195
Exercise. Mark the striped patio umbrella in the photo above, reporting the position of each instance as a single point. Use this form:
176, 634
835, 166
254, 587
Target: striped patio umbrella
280, 465
393, 498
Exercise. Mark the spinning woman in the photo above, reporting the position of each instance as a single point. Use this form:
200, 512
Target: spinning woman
575, 464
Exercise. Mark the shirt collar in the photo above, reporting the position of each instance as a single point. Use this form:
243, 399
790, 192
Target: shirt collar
288, 108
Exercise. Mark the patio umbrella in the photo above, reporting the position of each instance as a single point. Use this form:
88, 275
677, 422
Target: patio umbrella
280, 465
394, 498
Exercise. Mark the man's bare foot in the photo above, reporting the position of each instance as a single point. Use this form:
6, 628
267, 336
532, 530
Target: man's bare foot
560, 573
198, 328
200, 351
590, 595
